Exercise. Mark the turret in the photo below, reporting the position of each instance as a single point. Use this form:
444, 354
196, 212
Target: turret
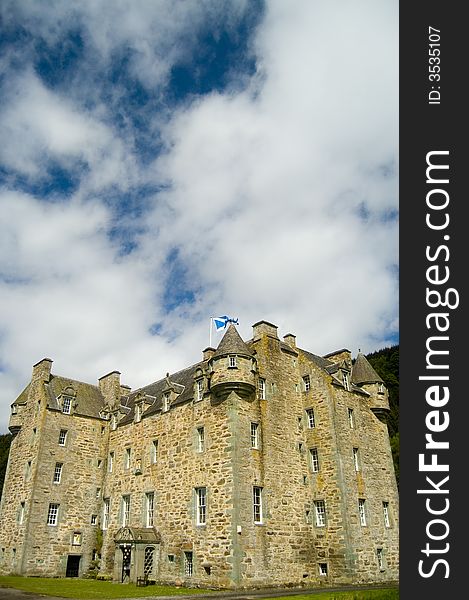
232, 367
364, 376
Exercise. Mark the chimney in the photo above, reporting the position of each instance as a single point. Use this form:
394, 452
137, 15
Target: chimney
110, 388
42, 369
208, 353
290, 339
263, 328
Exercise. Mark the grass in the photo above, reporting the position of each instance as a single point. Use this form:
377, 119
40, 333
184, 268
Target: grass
90, 589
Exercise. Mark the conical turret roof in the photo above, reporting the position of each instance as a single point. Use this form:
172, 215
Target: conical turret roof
363, 372
232, 343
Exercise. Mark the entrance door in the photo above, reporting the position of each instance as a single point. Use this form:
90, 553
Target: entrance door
73, 565
126, 556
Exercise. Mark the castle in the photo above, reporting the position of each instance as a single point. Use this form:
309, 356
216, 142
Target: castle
261, 465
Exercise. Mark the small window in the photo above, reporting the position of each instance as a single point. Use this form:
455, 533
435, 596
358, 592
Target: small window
362, 511
99, 463
311, 418
63, 437
323, 569
53, 513
387, 522
320, 513
57, 473
261, 388
356, 462
166, 398
149, 509
380, 388
351, 420
76, 539
138, 413
21, 513
110, 462
171, 558
255, 436
98, 493
201, 505
257, 504
94, 519
306, 383
379, 555
127, 457
199, 389
314, 458
200, 439
154, 452
125, 510
345, 380
113, 422
106, 509
188, 564
66, 404
232, 362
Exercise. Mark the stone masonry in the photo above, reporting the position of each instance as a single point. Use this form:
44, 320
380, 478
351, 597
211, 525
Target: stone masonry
261, 465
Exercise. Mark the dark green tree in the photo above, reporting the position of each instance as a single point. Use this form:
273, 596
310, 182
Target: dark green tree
5, 441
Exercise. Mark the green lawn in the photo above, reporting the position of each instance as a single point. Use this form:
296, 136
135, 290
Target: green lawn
90, 589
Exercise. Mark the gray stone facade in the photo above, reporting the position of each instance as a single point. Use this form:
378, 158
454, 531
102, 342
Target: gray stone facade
261, 465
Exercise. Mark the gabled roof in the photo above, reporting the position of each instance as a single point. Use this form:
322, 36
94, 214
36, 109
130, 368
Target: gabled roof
363, 372
232, 343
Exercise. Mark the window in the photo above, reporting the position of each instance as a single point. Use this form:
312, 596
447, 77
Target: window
188, 564
232, 362
57, 472
99, 463
94, 519
21, 513
379, 555
114, 422
255, 435
149, 508
154, 452
387, 522
320, 513
166, 402
76, 539
125, 510
66, 404
361, 511
106, 509
261, 388
314, 458
53, 513
351, 420
306, 383
311, 418
356, 463
110, 462
322, 569
127, 455
200, 439
148, 561
98, 493
62, 437
345, 380
199, 389
380, 388
138, 412
27, 471
257, 504
201, 505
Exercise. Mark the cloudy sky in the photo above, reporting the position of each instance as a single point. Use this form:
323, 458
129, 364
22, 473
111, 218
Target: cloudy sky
165, 161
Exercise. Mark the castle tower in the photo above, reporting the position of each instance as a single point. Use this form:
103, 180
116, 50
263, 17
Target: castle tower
366, 378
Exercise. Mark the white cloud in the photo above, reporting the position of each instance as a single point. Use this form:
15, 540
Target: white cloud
277, 197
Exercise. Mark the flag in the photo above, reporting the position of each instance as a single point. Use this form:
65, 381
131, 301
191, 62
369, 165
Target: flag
222, 322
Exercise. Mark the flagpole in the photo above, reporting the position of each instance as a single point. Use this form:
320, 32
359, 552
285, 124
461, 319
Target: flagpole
210, 333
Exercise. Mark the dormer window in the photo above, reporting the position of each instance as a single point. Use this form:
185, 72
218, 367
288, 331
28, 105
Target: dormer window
114, 422
66, 404
232, 362
380, 388
14, 409
138, 412
199, 389
345, 380
166, 401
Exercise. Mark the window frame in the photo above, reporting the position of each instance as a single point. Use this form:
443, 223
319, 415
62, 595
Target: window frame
200, 432
257, 504
306, 382
310, 418
53, 514
362, 511
254, 435
125, 510
261, 387
149, 509
201, 506
57, 473
63, 433
386, 514
320, 514
314, 459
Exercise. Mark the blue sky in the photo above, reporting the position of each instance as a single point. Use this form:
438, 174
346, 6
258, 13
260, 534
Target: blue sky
165, 161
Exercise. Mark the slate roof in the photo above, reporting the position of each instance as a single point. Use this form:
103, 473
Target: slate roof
232, 343
363, 372
89, 400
